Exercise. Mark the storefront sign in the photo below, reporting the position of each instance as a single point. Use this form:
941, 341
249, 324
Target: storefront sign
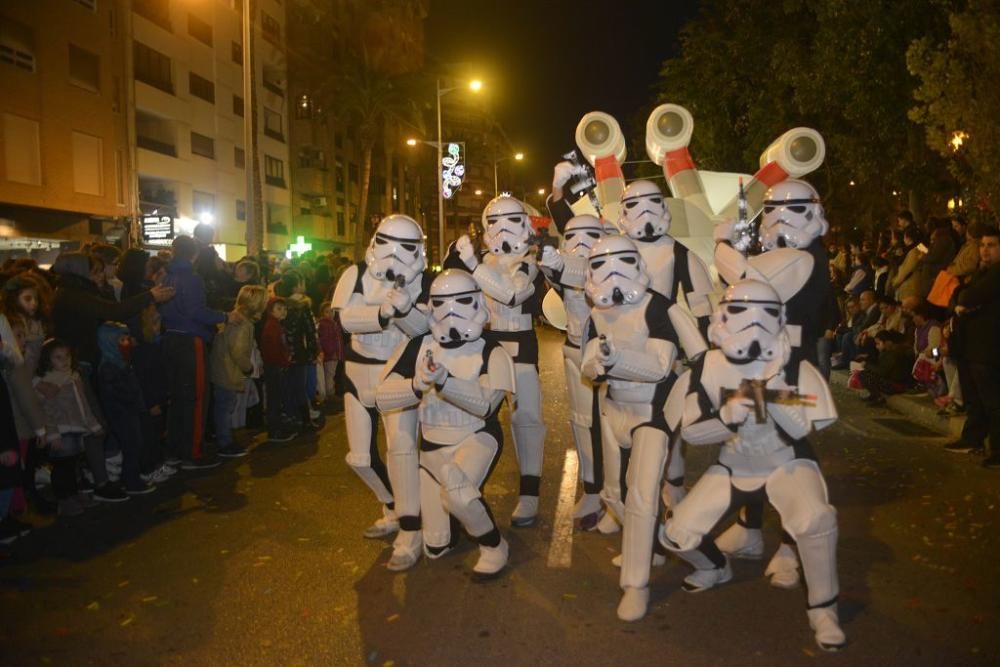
157, 230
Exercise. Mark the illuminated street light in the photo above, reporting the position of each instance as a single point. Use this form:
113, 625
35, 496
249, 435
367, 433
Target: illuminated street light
411, 142
519, 156
851, 184
541, 191
475, 85
479, 193
958, 137
516, 156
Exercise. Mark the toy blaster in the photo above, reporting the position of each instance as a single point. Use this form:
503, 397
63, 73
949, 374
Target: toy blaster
429, 356
757, 391
541, 239
603, 342
584, 181
400, 281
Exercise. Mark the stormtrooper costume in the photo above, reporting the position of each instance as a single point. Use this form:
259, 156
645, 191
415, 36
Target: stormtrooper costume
631, 345
565, 270
459, 381
513, 287
793, 217
762, 454
381, 303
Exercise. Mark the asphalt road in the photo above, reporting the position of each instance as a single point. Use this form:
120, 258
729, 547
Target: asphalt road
261, 562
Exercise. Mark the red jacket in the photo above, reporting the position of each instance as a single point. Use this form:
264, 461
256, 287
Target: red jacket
273, 346
331, 339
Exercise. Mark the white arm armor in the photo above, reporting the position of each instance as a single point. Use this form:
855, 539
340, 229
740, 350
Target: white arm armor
414, 323
687, 332
356, 318
470, 396
799, 420
699, 428
673, 410
650, 365
395, 393
701, 287
508, 290
574, 272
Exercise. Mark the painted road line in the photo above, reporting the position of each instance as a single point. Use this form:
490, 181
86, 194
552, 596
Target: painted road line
561, 545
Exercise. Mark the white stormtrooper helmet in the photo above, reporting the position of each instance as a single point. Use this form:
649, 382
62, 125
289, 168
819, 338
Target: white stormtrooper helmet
458, 311
396, 250
645, 216
749, 322
581, 234
506, 226
793, 216
616, 274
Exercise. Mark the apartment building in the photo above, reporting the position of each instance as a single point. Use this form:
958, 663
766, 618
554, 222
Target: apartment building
63, 164
191, 161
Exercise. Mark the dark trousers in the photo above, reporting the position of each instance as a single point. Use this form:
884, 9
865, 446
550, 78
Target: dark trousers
187, 392
152, 442
275, 395
878, 385
64, 476
223, 405
298, 398
981, 391
127, 428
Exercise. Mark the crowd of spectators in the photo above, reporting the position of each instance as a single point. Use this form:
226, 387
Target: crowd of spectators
921, 314
121, 369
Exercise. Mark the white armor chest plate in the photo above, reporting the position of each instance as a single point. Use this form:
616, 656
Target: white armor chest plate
659, 259
625, 327
751, 440
442, 422
379, 345
577, 314
502, 316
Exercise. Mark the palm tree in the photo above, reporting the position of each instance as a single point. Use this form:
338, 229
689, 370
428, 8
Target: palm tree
369, 103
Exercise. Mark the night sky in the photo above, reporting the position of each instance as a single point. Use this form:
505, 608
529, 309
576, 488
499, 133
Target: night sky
545, 63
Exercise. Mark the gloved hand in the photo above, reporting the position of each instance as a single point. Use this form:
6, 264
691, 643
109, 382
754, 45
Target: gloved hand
425, 377
551, 259
401, 300
561, 175
608, 357
735, 411
467, 252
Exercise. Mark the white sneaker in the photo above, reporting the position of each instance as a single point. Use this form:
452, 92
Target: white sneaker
633, 604
740, 542
114, 461
826, 627
492, 559
43, 476
784, 568
406, 550
402, 560
381, 528
434, 555
314, 414
702, 580
659, 560
608, 524
526, 512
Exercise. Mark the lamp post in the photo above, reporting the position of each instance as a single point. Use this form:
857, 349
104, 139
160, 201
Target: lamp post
475, 86
254, 236
496, 163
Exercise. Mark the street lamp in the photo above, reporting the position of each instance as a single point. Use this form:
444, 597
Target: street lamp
475, 86
541, 191
496, 163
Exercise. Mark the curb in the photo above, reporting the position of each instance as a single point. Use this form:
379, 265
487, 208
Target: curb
919, 409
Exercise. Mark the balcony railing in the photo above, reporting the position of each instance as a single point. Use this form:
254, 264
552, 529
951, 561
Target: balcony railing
274, 88
156, 146
274, 134
157, 11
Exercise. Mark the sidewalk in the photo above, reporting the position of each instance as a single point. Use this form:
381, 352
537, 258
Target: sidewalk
920, 409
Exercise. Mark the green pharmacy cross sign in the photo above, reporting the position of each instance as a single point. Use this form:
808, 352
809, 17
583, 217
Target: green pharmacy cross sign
298, 248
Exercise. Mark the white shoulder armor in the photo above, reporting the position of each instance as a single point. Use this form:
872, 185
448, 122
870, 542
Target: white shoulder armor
811, 382
345, 287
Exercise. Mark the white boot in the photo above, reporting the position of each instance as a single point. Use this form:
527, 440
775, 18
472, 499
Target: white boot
405, 550
659, 560
589, 503
387, 525
608, 524
526, 512
826, 625
633, 604
740, 542
492, 559
784, 568
702, 580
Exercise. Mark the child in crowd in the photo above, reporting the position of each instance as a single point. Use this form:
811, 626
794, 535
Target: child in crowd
10, 528
150, 368
232, 363
331, 343
300, 332
121, 399
277, 359
68, 419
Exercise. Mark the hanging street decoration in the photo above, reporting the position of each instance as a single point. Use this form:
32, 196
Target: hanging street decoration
452, 170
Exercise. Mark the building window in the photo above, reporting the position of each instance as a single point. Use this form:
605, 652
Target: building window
84, 69
239, 157
274, 80
272, 125
202, 202
241, 209
201, 87
236, 53
274, 171
155, 134
237, 106
153, 68
271, 28
311, 158
21, 150
352, 173
340, 177
202, 145
341, 224
89, 4
17, 44
199, 30
88, 164
157, 11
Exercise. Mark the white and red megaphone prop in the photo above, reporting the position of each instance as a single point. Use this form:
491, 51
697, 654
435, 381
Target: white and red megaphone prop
601, 141
668, 133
